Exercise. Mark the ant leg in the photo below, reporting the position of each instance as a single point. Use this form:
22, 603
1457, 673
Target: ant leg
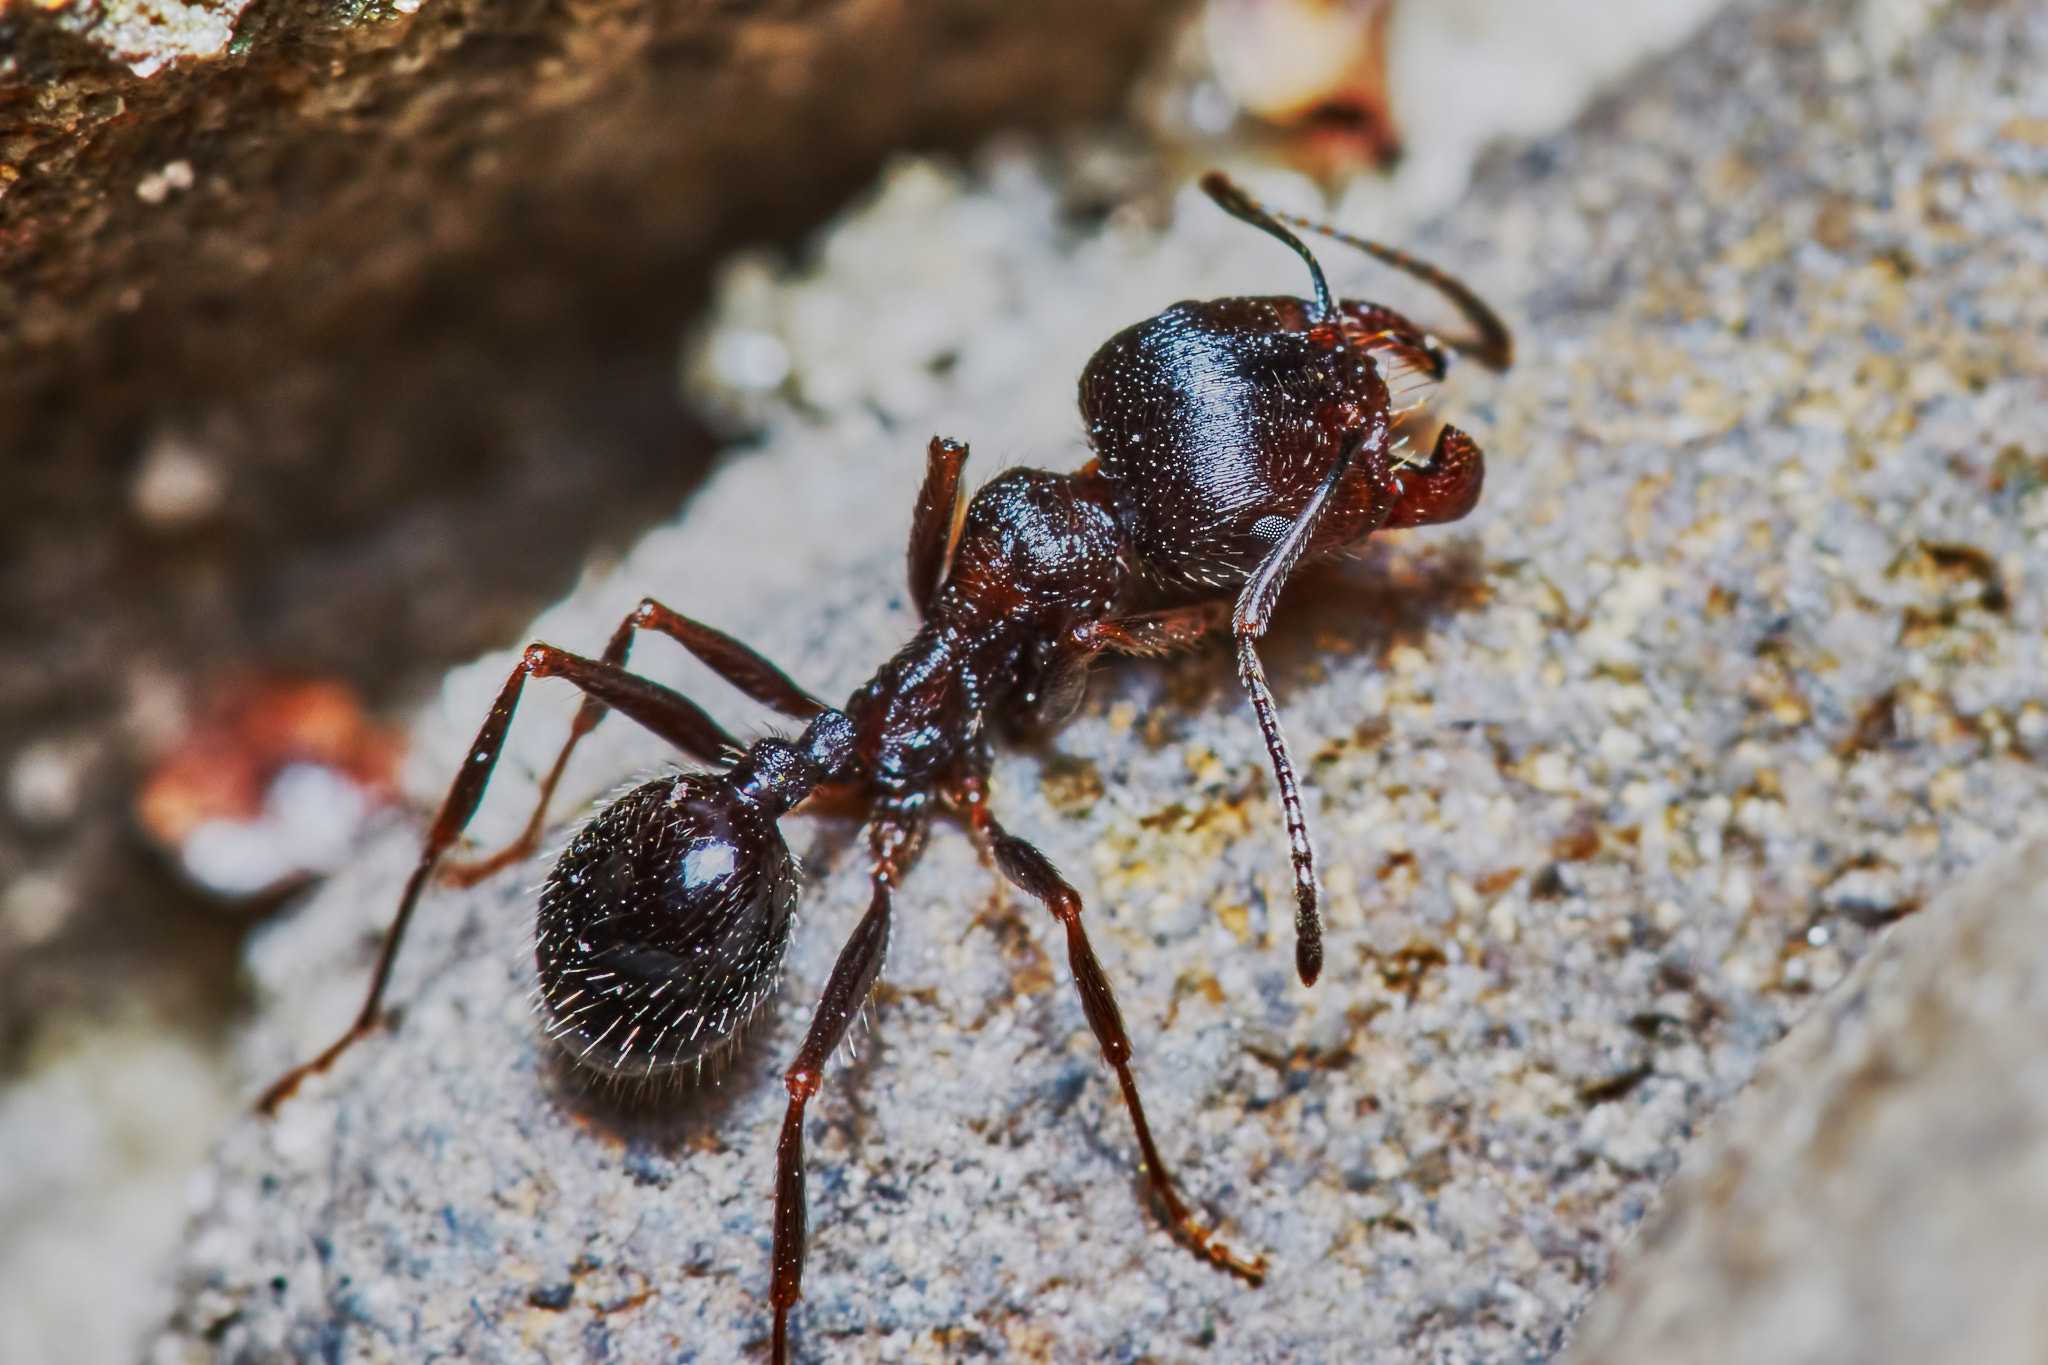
1446, 488
1066, 674
936, 523
896, 840
1157, 632
1034, 874
656, 708
1248, 622
736, 663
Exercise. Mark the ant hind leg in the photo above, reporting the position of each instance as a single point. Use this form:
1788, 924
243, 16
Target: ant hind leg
1032, 872
897, 838
736, 663
658, 709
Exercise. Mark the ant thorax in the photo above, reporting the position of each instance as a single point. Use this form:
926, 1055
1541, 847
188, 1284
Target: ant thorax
1039, 555
1035, 547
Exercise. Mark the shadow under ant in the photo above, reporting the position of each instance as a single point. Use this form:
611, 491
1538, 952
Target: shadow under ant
676, 1113
1393, 593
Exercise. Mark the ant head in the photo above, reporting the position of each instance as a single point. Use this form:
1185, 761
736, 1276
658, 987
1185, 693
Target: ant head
663, 925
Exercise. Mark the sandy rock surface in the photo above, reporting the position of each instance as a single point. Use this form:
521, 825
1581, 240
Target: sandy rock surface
1738, 661
1877, 1194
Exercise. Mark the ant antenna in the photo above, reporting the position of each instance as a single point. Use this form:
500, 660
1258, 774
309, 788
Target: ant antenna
1494, 347
1238, 204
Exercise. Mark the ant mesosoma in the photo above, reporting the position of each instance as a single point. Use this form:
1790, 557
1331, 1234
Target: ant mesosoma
1232, 438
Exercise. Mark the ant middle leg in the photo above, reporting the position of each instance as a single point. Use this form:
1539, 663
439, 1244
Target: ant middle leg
1033, 873
658, 709
897, 838
736, 663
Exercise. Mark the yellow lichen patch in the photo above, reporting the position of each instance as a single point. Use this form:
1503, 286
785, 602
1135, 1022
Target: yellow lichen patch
1193, 984
1029, 1344
1711, 407
1952, 573
1493, 883
1236, 918
1961, 595
1017, 940
1775, 692
1165, 859
1410, 967
1642, 501
2023, 128
1070, 785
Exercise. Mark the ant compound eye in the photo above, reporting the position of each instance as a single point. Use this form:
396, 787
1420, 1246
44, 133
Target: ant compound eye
663, 925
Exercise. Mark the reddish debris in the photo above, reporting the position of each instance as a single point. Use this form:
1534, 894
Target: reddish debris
224, 773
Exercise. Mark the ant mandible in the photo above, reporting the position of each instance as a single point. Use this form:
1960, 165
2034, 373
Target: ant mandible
1232, 438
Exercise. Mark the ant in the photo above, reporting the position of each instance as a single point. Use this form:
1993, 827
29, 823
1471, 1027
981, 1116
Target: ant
1232, 438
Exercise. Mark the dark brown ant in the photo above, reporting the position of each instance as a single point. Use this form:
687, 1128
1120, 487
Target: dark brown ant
1232, 438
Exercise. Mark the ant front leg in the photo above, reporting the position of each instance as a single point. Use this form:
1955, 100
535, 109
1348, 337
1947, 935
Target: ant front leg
897, 838
1066, 672
1032, 872
936, 522
1155, 632
656, 708
739, 665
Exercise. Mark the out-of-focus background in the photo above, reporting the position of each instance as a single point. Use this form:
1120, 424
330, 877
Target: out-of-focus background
338, 339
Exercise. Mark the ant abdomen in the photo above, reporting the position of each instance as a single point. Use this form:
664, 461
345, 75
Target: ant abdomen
663, 925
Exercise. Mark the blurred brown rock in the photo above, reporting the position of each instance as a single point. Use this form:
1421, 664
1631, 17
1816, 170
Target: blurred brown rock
334, 336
